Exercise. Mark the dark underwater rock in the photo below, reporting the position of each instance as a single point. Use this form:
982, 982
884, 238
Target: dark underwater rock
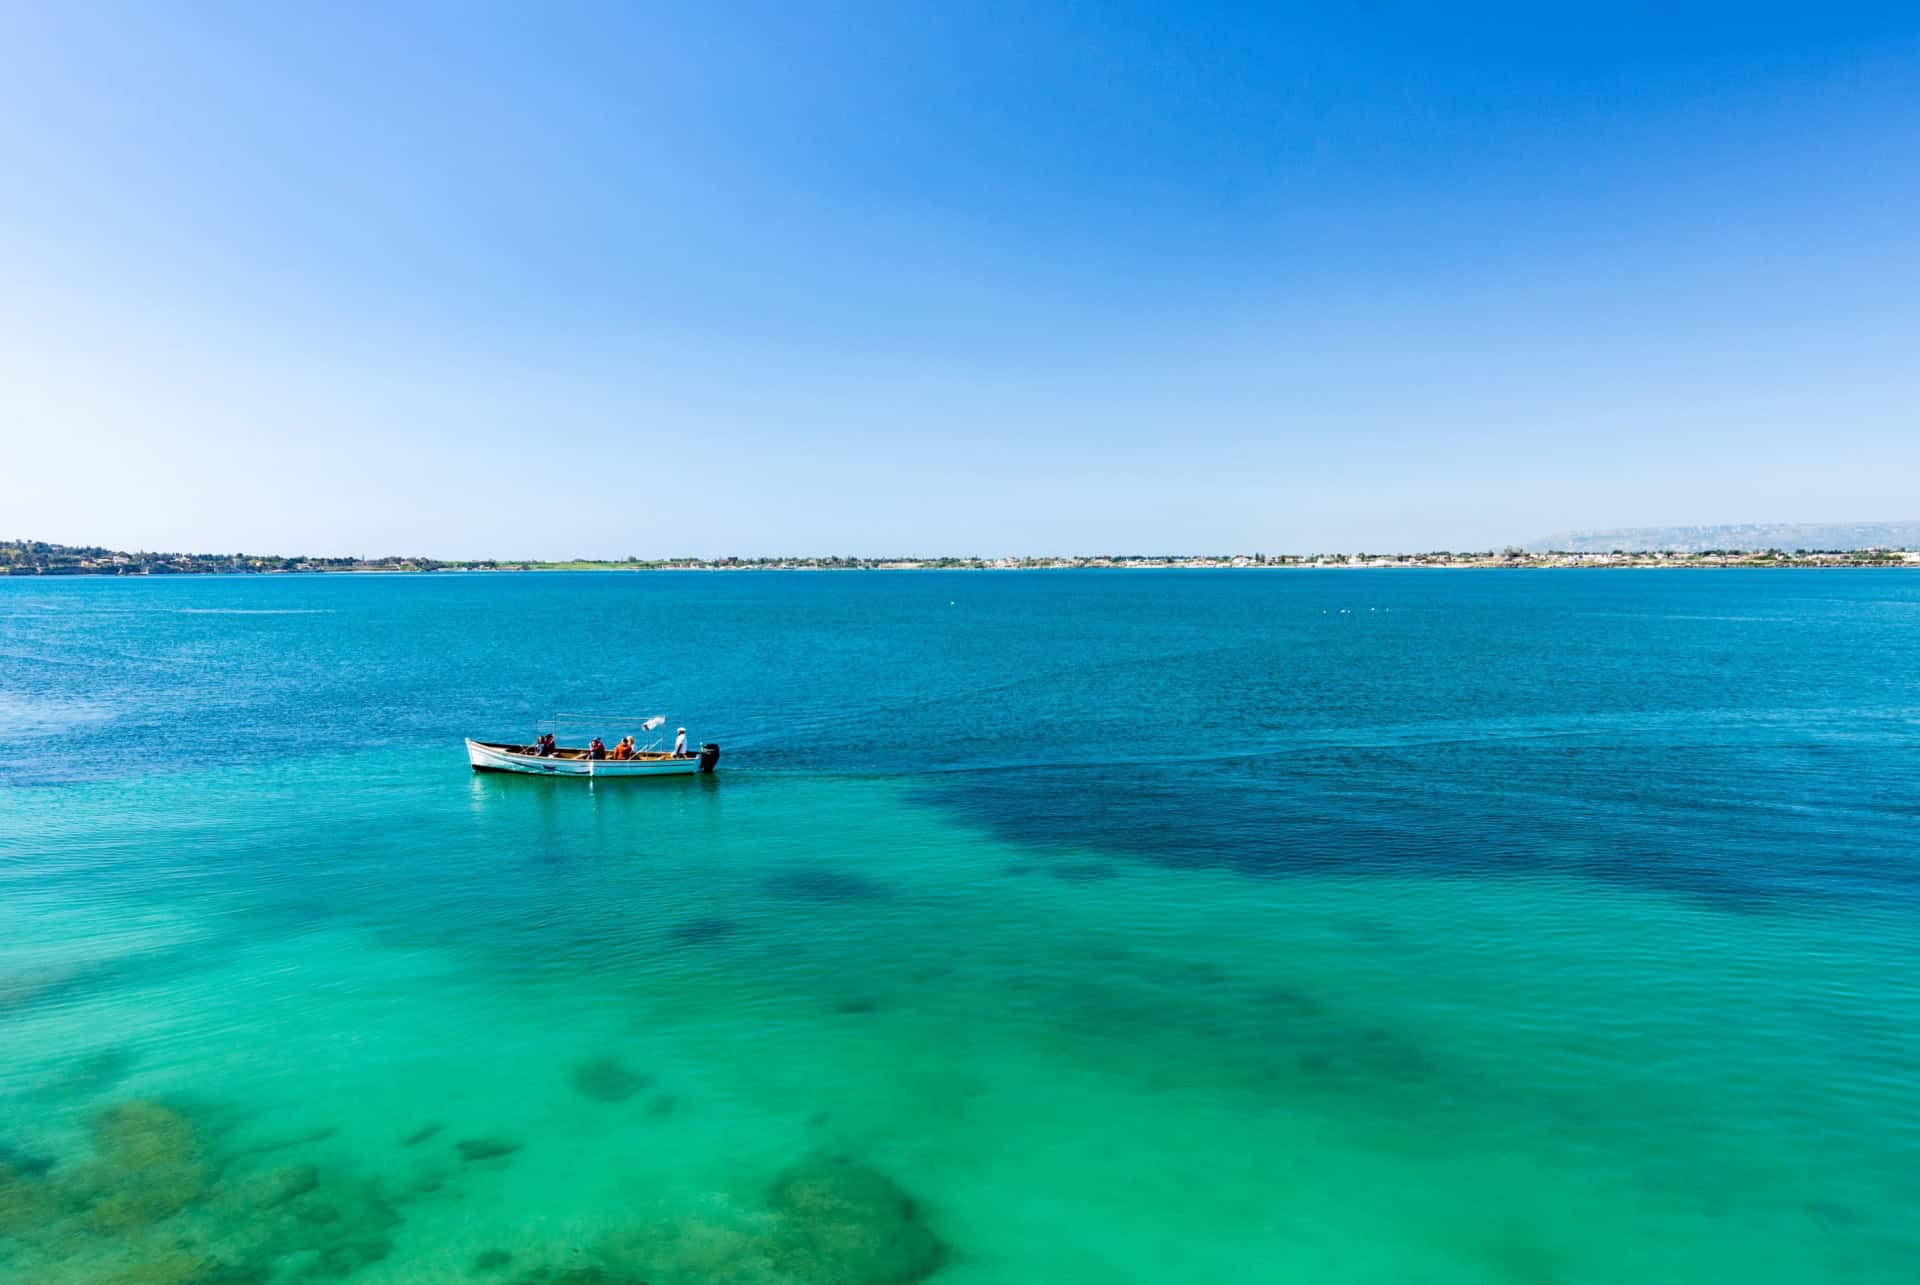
824, 1222
27, 1201
1374, 1053
338, 1227
1832, 1212
272, 1188
1083, 871
486, 1148
588, 1275
837, 1221
604, 1080
22, 988
422, 1134
812, 883
492, 1260
287, 1143
345, 1257
1384, 1051
319, 1212
698, 932
1204, 972
1288, 1001
87, 1075
21, 1162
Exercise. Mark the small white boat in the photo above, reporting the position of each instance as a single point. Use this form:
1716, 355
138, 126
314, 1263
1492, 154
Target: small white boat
562, 760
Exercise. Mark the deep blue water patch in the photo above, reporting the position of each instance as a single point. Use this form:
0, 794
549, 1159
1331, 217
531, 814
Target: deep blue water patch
1742, 736
1751, 739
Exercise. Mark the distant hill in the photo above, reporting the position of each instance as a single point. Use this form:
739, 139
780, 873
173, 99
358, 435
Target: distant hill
1739, 536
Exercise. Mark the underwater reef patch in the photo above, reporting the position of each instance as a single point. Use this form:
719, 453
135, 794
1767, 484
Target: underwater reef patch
825, 1221
148, 1166
152, 1206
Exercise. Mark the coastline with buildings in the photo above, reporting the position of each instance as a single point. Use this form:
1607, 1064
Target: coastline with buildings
37, 558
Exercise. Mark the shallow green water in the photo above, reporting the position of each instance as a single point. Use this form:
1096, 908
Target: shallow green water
1080, 1057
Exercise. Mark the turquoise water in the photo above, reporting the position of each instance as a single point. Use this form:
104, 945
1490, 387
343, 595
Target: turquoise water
1298, 926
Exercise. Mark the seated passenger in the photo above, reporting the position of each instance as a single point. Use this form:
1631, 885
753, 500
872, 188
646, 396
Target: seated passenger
547, 747
624, 750
598, 750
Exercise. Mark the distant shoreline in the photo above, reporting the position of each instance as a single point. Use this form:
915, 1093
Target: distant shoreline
28, 558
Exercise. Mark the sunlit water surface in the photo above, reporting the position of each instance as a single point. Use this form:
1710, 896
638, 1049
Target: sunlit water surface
1319, 927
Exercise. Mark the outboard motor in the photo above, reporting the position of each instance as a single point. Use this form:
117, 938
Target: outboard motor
709, 755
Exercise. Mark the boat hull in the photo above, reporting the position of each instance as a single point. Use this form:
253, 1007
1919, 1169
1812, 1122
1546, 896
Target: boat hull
486, 757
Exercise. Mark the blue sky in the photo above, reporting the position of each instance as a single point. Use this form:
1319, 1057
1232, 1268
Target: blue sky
592, 280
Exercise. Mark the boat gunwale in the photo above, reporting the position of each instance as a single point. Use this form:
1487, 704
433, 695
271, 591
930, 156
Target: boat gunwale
571, 755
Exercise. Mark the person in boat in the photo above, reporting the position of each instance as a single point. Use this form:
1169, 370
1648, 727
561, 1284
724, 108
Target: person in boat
624, 750
680, 743
598, 750
545, 747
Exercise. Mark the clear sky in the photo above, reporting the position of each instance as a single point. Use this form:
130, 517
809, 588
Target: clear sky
471, 280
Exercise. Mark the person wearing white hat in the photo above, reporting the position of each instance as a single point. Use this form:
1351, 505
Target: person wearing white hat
680, 743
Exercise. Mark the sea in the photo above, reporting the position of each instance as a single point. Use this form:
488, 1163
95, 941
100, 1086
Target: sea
1445, 926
